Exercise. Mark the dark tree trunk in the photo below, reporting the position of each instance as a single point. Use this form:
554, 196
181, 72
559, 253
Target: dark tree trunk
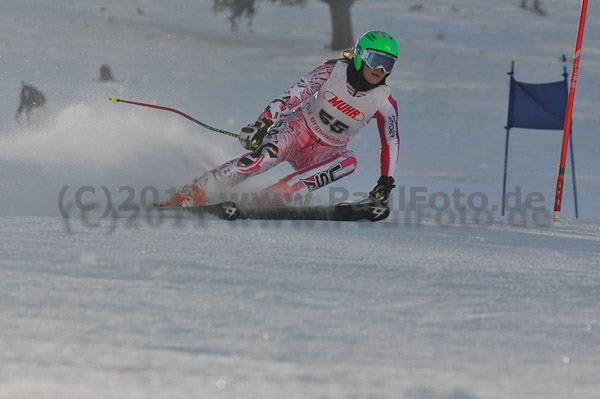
341, 22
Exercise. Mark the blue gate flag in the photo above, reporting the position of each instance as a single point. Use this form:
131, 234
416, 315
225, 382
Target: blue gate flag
537, 105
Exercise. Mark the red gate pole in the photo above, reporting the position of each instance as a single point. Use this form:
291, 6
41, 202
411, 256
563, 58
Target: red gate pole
568, 116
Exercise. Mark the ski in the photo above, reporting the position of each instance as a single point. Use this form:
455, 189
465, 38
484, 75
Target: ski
345, 211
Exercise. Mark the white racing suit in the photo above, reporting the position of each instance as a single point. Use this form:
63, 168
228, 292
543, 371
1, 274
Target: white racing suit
312, 123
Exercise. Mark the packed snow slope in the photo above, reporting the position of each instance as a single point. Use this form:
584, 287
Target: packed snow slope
446, 299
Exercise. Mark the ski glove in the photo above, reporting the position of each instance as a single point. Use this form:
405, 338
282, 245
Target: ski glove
251, 136
381, 192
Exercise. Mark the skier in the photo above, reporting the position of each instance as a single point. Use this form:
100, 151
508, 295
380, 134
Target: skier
310, 125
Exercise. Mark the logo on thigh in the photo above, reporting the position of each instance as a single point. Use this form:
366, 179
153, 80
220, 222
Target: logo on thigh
324, 178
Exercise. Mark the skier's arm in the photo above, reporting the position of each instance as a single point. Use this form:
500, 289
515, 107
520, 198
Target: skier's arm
295, 96
387, 122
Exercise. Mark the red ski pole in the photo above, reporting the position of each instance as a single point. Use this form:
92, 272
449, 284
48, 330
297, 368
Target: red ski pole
214, 129
568, 116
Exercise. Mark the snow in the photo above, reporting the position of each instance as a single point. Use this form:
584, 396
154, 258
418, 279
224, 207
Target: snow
438, 301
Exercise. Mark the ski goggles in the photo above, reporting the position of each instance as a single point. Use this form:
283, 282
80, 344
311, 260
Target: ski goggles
378, 59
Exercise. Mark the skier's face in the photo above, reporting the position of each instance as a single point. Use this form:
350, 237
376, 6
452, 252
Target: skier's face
373, 76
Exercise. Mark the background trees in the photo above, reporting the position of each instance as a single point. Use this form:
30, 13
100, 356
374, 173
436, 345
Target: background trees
341, 21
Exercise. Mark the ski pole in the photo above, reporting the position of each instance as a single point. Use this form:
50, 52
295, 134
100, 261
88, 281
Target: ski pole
115, 100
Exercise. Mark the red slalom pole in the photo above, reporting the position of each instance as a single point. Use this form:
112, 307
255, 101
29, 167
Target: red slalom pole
568, 116
204, 125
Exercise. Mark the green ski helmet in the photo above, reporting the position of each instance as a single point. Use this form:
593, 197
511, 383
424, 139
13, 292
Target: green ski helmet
378, 49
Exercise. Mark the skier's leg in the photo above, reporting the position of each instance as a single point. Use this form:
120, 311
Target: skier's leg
211, 184
208, 187
340, 163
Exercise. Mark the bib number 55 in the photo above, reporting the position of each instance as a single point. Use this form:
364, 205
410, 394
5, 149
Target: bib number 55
335, 126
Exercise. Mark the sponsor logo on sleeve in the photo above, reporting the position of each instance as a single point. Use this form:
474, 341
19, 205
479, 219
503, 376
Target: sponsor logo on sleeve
392, 127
